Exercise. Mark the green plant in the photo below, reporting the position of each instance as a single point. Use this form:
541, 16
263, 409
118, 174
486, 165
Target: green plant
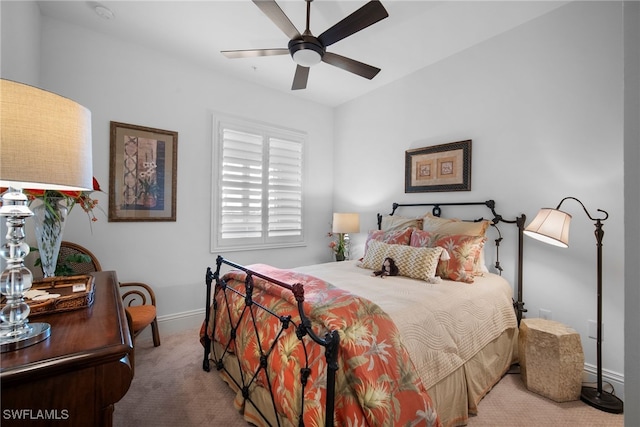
64, 267
338, 246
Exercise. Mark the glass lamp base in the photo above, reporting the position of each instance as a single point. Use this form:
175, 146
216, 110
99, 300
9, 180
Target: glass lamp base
604, 401
38, 332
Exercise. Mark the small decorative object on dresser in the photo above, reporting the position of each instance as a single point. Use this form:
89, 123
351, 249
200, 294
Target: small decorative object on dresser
551, 359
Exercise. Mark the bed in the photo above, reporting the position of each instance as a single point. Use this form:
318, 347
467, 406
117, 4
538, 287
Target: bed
330, 344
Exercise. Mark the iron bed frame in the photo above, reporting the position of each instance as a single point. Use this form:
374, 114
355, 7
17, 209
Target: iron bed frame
303, 329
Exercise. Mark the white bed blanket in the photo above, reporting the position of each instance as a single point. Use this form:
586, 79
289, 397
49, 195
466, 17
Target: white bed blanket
442, 325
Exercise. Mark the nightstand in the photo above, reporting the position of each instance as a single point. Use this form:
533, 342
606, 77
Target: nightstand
74, 377
551, 359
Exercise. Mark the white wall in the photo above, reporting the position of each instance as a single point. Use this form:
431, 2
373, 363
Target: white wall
20, 61
543, 104
632, 211
123, 82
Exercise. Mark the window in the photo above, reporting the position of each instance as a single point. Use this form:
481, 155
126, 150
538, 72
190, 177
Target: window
257, 186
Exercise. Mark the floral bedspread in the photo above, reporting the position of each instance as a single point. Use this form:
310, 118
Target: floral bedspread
376, 383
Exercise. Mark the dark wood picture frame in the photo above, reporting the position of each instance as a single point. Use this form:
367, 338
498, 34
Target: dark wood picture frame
445, 167
143, 166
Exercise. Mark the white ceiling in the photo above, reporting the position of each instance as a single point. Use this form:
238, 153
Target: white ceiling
416, 34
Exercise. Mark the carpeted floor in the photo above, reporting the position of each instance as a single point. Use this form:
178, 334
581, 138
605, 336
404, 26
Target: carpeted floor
171, 389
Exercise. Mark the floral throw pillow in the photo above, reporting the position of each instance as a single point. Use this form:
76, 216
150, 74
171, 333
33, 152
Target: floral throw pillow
396, 237
439, 225
463, 251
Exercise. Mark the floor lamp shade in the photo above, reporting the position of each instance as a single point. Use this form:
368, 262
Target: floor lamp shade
45, 144
45, 140
552, 226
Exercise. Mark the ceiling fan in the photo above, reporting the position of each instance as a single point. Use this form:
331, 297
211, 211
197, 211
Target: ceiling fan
308, 50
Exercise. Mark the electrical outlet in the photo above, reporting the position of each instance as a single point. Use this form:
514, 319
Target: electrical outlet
544, 314
592, 327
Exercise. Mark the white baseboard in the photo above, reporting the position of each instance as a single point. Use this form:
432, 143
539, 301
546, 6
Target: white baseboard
177, 322
608, 377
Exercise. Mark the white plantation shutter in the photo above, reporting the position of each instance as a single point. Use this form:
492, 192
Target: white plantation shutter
285, 188
241, 184
259, 198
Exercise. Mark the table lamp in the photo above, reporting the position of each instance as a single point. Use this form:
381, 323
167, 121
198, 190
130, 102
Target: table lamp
343, 224
552, 226
45, 143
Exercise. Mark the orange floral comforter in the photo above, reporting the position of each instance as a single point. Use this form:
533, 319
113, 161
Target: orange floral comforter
376, 383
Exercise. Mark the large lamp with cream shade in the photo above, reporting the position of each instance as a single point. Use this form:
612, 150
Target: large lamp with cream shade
552, 226
45, 143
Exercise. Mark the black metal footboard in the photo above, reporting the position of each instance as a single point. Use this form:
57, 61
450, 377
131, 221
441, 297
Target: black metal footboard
330, 342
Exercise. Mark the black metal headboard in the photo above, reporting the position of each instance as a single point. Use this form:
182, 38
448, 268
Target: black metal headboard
497, 218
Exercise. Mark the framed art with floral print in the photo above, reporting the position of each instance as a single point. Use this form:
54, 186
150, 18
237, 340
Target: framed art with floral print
445, 167
142, 173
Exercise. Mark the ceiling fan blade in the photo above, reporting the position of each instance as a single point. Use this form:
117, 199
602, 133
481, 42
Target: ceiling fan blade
368, 14
273, 12
252, 53
351, 65
300, 78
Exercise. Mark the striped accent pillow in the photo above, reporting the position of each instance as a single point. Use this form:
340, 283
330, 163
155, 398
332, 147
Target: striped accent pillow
417, 263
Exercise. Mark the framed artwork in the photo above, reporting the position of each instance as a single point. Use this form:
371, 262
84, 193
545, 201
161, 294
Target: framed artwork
445, 167
142, 173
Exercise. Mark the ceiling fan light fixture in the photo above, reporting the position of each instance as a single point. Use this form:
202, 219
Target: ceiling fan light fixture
307, 57
306, 52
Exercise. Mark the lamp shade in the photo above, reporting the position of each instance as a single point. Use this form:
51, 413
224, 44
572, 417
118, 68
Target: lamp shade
550, 226
45, 140
346, 223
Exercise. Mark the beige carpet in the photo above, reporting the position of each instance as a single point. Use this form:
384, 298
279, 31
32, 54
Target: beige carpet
171, 389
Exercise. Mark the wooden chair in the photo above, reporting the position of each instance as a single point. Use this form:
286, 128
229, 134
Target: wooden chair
139, 298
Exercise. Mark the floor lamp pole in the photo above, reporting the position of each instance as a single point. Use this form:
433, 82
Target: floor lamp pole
552, 226
597, 397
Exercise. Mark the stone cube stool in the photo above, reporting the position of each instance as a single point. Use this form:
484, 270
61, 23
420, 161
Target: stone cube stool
551, 359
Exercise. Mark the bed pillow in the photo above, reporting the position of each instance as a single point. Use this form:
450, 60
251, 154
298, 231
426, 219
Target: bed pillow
397, 237
417, 263
395, 223
463, 253
456, 226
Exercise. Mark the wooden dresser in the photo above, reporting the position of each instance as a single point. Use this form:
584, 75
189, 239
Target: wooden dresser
75, 376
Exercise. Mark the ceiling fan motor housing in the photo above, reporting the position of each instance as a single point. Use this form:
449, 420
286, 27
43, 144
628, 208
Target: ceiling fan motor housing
306, 51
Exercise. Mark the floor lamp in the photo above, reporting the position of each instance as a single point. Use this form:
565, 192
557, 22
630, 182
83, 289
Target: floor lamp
552, 226
45, 144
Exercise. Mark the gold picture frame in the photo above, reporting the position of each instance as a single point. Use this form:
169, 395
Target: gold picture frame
445, 167
142, 173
